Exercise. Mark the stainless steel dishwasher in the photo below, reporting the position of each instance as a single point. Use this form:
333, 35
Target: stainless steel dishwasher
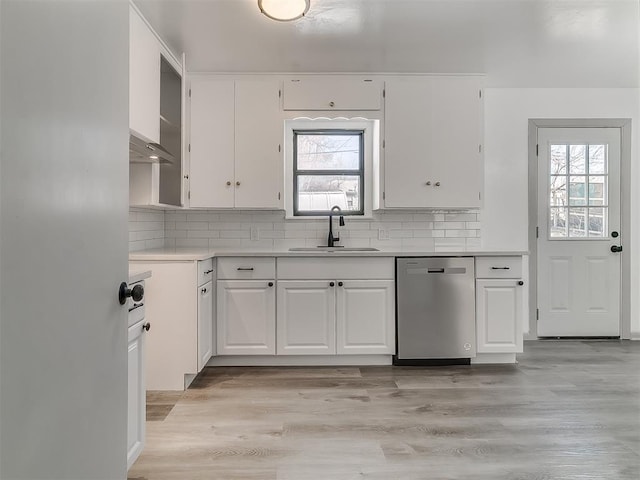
435, 311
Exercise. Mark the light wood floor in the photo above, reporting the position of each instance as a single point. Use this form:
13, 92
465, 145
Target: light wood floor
568, 410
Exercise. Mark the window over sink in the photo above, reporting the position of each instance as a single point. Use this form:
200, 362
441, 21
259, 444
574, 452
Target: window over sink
329, 162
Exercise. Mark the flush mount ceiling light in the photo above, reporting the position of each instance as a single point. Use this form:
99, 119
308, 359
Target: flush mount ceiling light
284, 10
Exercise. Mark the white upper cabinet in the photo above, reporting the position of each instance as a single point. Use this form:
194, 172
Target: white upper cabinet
259, 171
433, 137
333, 93
236, 138
211, 161
144, 79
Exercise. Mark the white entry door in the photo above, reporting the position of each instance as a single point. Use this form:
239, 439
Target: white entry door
578, 231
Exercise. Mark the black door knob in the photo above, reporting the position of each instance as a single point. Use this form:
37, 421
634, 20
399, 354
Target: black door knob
331, 284
146, 326
270, 284
124, 292
520, 282
340, 284
616, 248
614, 234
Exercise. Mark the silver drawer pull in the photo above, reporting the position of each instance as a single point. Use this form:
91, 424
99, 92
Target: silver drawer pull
500, 268
208, 272
136, 305
245, 269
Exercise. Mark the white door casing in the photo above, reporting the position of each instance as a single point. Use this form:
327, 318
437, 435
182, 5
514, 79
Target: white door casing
578, 281
64, 198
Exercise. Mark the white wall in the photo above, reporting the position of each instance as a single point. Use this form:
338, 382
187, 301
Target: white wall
507, 112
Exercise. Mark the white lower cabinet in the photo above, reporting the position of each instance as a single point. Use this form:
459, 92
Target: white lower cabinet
205, 324
246, 317
365, 317
306, 318
499, 304
136, 400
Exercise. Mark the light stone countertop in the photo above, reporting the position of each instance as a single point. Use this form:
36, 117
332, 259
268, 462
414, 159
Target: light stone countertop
136, 274
169, 254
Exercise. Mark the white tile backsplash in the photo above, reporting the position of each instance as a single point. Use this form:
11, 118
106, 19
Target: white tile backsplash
431, 231
146, 229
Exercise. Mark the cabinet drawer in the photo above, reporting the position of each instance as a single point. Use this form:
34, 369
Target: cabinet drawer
246, 268
328, 93
498, 267
205, 271
322, 268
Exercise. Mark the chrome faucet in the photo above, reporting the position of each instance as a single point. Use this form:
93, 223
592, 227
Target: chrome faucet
331, 239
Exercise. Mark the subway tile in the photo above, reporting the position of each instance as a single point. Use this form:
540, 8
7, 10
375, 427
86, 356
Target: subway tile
459, 233
400, 234
192, 225
137, 246
300, 234
175, 234
417, 225
473, 244
423, 243
170, 242
456, 243
156, 243
424, 233
285, 244
460, 217
271, 234
235, 234
472, 225
176, 216
192, 242
262, 243
448, 225
363, 234
222, 242
203, 234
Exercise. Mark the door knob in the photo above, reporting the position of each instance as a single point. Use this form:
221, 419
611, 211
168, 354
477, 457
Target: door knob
616, 248
124, 292
340, 284
520, 282
238, 184
146, 326
614, 234
228, 184
331, 284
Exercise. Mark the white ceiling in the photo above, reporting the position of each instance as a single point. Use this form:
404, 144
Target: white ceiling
524, 43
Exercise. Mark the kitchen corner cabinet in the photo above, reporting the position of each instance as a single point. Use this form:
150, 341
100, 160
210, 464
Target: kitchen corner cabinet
433, 142
180, 341
246, 306
499, 304
235, 143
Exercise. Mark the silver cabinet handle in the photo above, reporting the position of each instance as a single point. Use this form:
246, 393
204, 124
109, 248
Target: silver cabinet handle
245, 269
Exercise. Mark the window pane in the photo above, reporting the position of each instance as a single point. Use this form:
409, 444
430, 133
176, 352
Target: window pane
598, 190
577, 222
598, 159
321, 192
577, 160
558, 160
558, 191
577, 191
598, 222
328, 152
558, 222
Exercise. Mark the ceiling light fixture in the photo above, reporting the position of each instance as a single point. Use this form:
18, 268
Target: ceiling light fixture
284, 10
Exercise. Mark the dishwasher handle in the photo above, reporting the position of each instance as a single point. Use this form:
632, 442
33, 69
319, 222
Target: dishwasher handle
435, 270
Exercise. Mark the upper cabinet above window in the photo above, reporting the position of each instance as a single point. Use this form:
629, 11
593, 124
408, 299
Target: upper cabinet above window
326, 93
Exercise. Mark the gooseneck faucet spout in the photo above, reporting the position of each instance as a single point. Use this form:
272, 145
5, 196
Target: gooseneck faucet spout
331, 239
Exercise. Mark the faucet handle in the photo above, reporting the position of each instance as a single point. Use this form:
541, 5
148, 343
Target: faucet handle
341, 221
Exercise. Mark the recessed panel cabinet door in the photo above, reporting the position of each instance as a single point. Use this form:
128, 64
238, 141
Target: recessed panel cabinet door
306, 321
246, 319
136, 393
211, 160
433, 132
205, 323
365, 317
258, 139
499, 315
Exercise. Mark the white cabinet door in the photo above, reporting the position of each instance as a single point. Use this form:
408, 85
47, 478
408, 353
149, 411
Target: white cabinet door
205, 323
365, 317
211, 161
246, 319
258, 138
144, 79
433, 131
499, 313
332, 93
306, 317
137, 407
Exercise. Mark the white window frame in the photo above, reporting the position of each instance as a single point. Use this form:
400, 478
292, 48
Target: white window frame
371, 129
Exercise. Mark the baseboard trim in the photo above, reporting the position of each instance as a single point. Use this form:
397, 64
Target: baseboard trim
297, 360
486, 358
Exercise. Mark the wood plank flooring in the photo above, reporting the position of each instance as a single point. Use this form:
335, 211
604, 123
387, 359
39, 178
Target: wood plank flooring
569, 410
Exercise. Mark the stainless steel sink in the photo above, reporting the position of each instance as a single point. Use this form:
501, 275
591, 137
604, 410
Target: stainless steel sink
333, 249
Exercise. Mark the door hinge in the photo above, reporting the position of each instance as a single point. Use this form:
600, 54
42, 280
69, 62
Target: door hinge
279, 148
384, 93
479, 148
537, 232
189, 194
480, 93
384, 143
189, 147
279, 93
189, 93
536, 149
537, 314
384, 196
278, 195
479, 196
